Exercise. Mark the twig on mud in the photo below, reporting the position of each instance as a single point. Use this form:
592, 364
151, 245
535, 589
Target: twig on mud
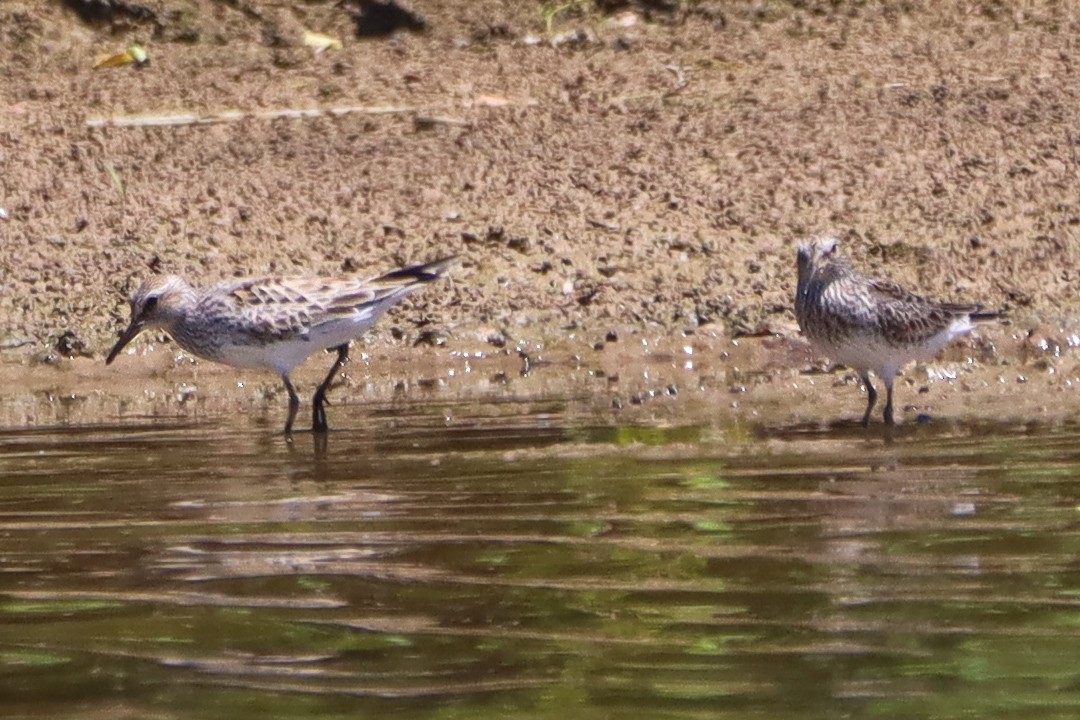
424, 118
118, 182
237, 115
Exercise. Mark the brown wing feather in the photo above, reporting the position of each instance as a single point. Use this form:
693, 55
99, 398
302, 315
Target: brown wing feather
274, 308
885, 291
913, 318
265, 309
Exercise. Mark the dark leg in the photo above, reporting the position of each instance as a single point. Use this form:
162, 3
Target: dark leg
318, 411
294, 404
871, 397
888, 403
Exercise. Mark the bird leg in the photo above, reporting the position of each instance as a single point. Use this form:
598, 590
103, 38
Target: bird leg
871, 398
318, 410
888, 403
294, 404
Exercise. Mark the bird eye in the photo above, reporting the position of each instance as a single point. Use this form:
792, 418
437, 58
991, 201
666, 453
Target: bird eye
150, 303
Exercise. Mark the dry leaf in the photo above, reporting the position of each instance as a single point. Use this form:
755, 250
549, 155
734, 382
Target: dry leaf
134, 54
321, 42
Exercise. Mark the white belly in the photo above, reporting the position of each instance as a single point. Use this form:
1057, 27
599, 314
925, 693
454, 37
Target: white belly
870, 351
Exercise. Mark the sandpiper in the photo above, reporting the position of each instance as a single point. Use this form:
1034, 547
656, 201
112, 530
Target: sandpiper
272, 323
868, 324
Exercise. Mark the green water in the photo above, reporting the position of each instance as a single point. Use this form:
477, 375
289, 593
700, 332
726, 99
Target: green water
424, 564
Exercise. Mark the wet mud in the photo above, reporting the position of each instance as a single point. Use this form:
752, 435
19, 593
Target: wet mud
640, 174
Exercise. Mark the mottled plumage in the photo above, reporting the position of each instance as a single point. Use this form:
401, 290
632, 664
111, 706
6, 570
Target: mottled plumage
871, 325
272, 323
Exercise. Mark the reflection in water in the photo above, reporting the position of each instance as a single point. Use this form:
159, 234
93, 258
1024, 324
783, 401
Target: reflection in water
519, 564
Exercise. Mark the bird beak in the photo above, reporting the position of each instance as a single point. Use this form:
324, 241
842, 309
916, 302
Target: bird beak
127, 336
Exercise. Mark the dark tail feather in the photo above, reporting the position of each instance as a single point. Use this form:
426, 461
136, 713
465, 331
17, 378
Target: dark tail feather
425, 272
974, 311
978, 314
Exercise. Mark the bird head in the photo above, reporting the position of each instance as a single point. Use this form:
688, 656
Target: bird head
154, 304
814, 253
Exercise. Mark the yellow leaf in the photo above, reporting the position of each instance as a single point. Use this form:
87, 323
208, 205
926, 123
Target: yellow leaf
117, 60
134, 54
321, 42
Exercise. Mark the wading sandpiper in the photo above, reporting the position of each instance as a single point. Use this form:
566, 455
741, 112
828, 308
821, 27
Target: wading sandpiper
871, 325
272, 323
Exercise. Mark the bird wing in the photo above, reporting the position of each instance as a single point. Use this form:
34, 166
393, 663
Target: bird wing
914, 318
271, 309
262, 310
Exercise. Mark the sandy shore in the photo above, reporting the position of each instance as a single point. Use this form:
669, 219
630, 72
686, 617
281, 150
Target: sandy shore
647, 176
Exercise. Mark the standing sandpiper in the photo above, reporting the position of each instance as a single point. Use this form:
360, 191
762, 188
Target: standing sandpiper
871, 325
272, 323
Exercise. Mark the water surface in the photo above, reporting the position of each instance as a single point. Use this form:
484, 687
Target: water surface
521, 562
